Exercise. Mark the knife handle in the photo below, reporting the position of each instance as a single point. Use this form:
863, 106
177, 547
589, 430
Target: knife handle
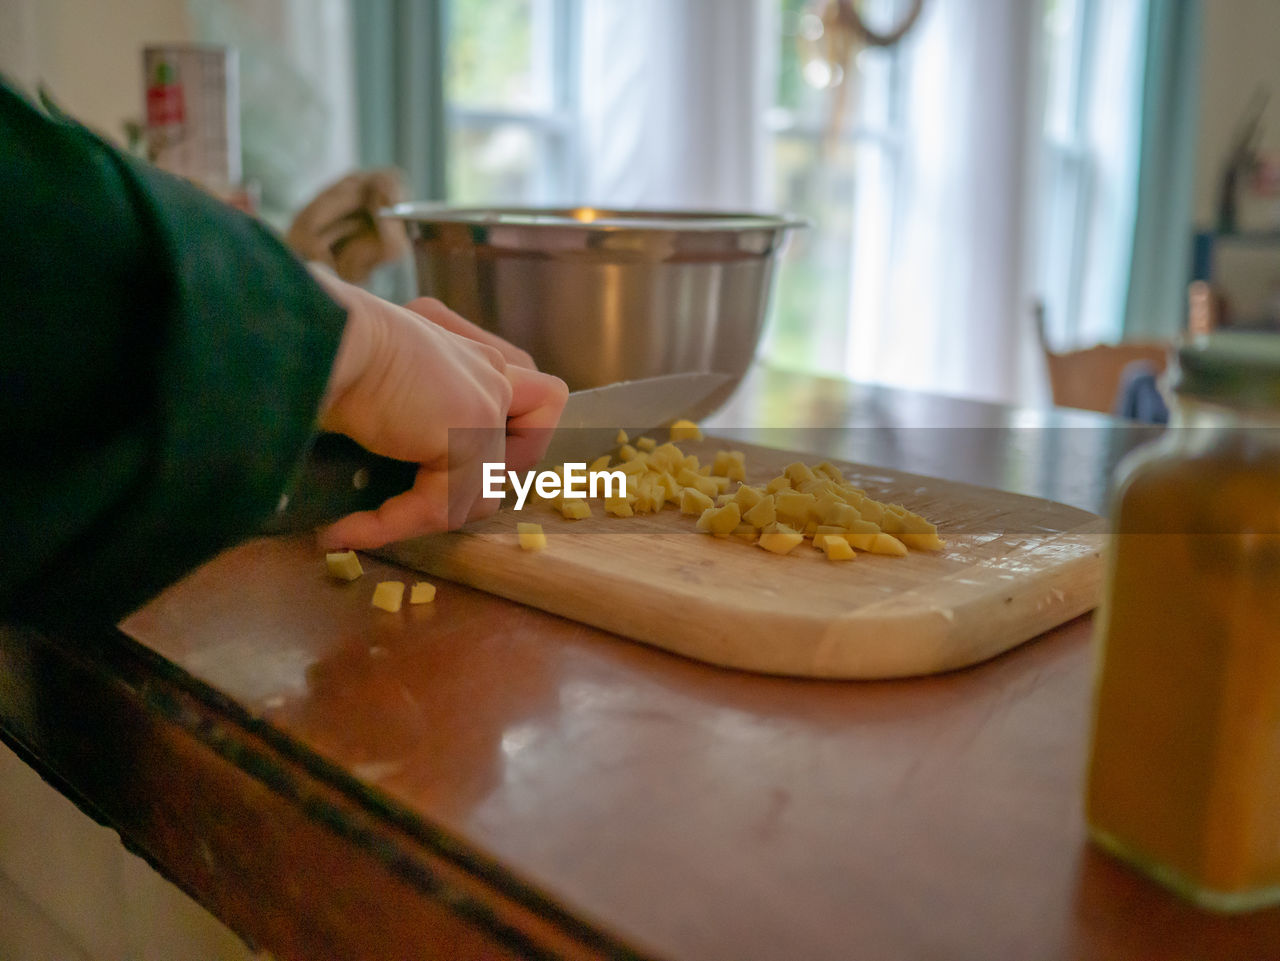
339, 477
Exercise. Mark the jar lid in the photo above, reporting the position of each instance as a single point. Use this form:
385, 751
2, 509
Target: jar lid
1240, 368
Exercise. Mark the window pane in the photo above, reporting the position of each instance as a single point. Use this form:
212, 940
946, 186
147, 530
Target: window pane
841, 181
501, 163
490, 61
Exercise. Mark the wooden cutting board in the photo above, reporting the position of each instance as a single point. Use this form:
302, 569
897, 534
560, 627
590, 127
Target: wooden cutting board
1014, 566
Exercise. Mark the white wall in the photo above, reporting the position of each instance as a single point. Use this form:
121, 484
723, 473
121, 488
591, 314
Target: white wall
1241, 51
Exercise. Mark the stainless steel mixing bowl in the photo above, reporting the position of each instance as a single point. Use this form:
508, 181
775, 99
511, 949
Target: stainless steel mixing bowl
598, 296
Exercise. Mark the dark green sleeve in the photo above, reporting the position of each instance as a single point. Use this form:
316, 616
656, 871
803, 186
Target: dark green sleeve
162, 358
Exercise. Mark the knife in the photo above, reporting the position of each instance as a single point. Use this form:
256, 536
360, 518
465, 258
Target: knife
340, 477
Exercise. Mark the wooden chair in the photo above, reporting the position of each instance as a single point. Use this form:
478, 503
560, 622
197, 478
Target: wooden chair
1091, 378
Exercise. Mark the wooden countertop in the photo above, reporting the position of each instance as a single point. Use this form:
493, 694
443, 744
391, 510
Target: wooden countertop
480, 779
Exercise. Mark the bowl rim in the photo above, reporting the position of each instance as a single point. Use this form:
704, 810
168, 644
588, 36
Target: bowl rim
590, 218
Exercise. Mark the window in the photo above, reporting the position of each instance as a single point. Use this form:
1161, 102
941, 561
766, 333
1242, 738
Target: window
1092, 67
510, 100
841, 179
512, 115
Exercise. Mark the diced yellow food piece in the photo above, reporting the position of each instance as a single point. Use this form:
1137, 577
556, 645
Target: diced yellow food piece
622, 437
726, 461
841, 515
618, 507
861, 527
829, 470
825, 502
747, 496
530, 536
649, 498
818, 487
667, 457
822, 530
671, 486
694, 501
747, 532
344, 565
722, 499
794, 506
722, 483
422, 593
703, 525
762, 514
837, 548
685, 430
706, 485
724, 520
854, 495
911, 522
626, 452
780, 541
636, 465
880, 543
691, 461
600, 463
779, 483
388, 595
798, 472
575, 509
646, 443
871, 510
922, 542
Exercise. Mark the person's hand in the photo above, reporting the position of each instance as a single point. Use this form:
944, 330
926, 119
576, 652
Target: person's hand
342, 227
414, 390
438, 313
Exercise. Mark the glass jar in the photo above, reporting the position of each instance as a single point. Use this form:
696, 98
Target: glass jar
1184, 772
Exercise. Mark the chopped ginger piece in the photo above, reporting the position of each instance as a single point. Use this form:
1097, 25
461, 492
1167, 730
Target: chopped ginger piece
880, 543
388, 595
921, 542
646, 443
694, 501
600, 463
575, 510
837, 548
685, 430
780, 541
622, 437
422, 593
344, 565
724, 520
729, 463
618, 507
762, 514
530, 536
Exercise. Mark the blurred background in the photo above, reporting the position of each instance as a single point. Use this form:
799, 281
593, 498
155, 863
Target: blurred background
1005, 153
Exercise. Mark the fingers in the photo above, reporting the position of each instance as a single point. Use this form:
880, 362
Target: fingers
537, 400
428, 393
436, 312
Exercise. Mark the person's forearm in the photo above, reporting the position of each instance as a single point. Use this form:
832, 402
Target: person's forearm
162, 363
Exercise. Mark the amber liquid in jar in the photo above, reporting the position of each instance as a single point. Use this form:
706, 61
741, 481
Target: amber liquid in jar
1184, 778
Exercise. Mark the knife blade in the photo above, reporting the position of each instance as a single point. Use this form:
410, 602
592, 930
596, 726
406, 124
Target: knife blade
339, 477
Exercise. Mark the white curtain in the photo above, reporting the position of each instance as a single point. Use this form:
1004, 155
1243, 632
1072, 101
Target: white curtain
297, 92
954, 313
673, 100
